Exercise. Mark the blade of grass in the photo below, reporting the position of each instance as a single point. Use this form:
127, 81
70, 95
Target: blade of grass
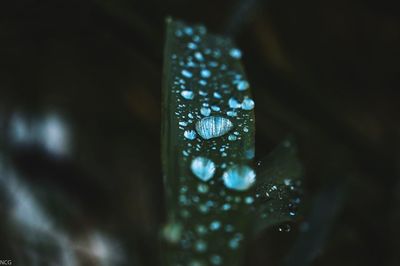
204, 81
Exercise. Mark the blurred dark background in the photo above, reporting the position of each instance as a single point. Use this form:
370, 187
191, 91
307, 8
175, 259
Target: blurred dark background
80, 83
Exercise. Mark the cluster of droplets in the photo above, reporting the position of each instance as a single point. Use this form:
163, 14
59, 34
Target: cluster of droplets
281, 198
213, 110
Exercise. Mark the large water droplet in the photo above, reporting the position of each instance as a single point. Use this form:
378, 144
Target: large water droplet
213, 127
239, 177
203, 168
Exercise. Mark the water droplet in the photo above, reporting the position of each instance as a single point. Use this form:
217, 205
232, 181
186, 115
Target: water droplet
217, 95
215, 108
231, 113
285, 228
213, 127
249, 200
239, 177
247, 104
205, 73
186, 73
202, 188
242, 85
232, 137
192, 46
226, 207
183, 123
172, 232
205, 111
188, 30
215, 225
235, 241
233, 103
188, 95
199, 56
203, 168
235, 53
190, 134
202, 82
200, 246
216, 260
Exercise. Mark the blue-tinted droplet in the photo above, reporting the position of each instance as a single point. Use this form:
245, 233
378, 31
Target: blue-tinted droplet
217, 95
192, 46
190, 134
233, 103
198, 56
188, 95
203, 168
247, 104
213, 127
216, 260
187, 73
242, 85
215, 225
205, 73
235, 53
205, 111
239, 177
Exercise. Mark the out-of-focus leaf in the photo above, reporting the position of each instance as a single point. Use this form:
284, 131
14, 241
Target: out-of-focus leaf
278, 186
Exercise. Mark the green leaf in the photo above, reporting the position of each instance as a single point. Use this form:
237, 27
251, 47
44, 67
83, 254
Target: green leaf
278, 188
208, 122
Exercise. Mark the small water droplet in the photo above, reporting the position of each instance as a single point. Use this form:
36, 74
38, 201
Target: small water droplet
242, 85
188, 95
202, 188
172, 232
232, 137
205, 111
235, 53
205, 73
247, 104
203, 168
187, 73
200, 246
231, 113
188, 30
201, 229
217, 95
226, 207
285, 228
239, 177
249, 200
215, 108
192, 46
216, 260
215, 225
190, 134
233, 103
199, 56
213, 127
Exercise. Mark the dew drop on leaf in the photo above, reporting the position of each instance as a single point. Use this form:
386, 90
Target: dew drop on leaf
203, 168
240, 177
